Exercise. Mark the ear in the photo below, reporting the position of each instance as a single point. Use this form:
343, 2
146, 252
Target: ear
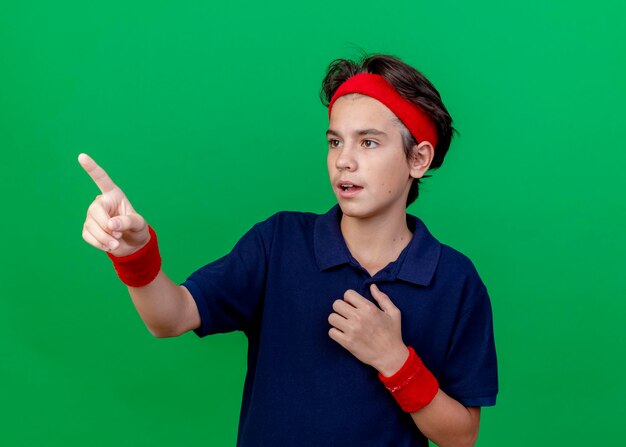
421, 157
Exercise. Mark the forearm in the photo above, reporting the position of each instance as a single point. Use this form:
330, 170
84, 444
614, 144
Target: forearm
447, 422
444, 420
166, 308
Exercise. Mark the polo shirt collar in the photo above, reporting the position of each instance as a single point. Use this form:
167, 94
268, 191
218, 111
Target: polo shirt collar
423, 254
329, 245
417, 266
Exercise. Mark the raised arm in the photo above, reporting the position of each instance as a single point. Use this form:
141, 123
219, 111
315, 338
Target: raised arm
112, 225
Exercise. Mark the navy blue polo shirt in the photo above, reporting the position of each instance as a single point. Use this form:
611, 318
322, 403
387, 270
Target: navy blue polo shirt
302, 388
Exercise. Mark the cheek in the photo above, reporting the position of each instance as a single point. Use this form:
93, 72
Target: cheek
394, 176
330, 162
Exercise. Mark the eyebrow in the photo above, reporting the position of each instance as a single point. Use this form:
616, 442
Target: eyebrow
360, 132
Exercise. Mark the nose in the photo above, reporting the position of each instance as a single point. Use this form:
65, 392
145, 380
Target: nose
345, 160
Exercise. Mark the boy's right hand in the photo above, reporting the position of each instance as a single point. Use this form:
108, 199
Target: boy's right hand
112, 224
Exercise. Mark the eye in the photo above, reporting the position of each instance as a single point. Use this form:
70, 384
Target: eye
332, 143
370, 144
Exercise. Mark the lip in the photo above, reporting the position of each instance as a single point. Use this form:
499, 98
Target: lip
355, 190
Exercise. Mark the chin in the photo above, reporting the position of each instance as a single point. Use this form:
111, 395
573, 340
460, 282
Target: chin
362, 210
356, 210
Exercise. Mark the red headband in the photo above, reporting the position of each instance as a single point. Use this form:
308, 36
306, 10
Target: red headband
414, 118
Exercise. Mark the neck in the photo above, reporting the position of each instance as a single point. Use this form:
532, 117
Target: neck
377, 241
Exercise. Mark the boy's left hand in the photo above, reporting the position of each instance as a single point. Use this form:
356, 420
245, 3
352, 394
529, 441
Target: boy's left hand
372, 335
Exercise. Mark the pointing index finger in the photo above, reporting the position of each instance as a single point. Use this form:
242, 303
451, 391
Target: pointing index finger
97, 174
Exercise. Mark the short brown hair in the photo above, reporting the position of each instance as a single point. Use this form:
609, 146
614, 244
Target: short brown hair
412, 85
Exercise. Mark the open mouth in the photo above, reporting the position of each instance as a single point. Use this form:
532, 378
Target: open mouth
348, 187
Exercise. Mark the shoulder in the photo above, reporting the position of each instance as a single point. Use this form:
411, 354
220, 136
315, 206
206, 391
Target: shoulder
284, 220
286, 225
461, 274
455, 272
292, 217
457, 263
448, 261
431, 262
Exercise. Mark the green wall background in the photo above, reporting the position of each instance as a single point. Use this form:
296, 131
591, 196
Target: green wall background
207, 116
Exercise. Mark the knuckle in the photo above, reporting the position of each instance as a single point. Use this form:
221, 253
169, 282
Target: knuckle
95, 207
104, 202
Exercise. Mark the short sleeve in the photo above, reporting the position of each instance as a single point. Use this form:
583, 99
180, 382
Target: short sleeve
470, 374
229, 291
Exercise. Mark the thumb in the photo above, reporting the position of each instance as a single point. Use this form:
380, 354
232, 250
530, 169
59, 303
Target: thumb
127, 222
382, 299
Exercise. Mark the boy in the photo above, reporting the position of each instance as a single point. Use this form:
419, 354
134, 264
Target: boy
363, 329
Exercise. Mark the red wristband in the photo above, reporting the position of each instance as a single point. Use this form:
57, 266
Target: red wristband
413, 386
140, 268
